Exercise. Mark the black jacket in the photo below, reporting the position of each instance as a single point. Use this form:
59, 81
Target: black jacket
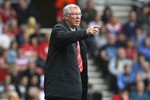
62, 75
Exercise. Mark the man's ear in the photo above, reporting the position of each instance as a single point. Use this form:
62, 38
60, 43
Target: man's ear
65, 17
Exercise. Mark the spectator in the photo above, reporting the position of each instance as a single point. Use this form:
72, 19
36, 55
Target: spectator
120, 60
7, 12
13, 29
31, 70
113, 26
138, 78
107, 52
115, 68
130, 50
21, 61
13, 71
12, 52
145, 74
126, 79
13, 95
88, 14
42, 51
122, 95
110, 48
96, 21
5, 39
20, 36
101, 39
121, 40
130, 27
143, 15
144, 49
33, 93
140, 35
137, 64
21, 87
34, 81
107, 14
139, 94
91, 42
31, 25
34, 42
24, 11
29, 50
8, 85
38, 35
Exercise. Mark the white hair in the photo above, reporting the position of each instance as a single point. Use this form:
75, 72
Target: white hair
67, 10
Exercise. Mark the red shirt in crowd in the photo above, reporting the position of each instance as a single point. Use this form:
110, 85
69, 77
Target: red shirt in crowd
117, 97
13, 32
8, 14
3, 73
130, 53
43, 49
28, 49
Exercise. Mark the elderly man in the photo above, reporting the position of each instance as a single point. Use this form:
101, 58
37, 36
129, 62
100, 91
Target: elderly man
66, 64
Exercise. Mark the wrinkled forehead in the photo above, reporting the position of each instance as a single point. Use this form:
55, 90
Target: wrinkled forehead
75, 9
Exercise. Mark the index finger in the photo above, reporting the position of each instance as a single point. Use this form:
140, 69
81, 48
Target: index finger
97, 27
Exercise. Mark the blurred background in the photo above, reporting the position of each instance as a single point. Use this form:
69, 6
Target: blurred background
118, 55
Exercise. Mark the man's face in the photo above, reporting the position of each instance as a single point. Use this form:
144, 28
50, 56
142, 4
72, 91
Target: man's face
74, 17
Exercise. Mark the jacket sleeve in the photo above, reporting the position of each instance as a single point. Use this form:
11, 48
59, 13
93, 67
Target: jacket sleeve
61, 36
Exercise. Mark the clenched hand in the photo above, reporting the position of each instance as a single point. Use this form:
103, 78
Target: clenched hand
93, 30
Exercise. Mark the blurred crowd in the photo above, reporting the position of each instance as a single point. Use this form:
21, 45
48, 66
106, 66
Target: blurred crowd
23, 51
121, 50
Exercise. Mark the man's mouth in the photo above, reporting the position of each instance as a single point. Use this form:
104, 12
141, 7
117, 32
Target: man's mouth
77, 21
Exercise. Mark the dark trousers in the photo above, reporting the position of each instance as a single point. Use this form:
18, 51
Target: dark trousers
59, 98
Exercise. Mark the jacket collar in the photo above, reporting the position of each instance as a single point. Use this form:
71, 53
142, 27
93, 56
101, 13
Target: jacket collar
67, 26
